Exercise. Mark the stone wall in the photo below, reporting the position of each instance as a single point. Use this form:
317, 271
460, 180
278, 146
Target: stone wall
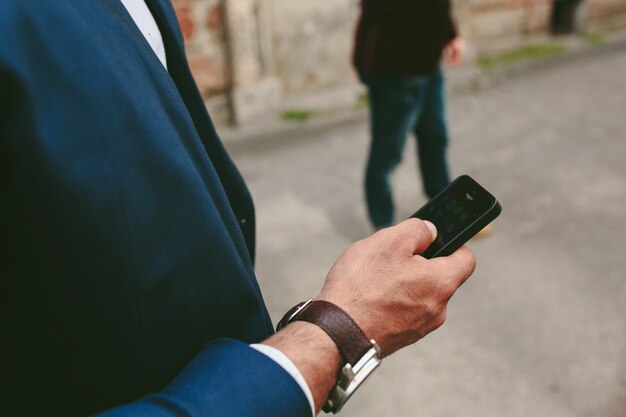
606, 13
312, 42
229, 51
487, 19
201, 25
246, 55
492, 21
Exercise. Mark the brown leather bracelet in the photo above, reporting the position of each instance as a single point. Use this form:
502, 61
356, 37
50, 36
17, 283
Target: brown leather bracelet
346, 334
361, 356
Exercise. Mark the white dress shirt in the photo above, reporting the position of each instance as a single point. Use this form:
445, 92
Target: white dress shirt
138, 10
144, 20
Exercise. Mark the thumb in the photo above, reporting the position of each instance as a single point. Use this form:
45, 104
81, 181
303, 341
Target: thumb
420, 233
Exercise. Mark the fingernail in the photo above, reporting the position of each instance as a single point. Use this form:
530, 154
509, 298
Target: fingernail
433, 229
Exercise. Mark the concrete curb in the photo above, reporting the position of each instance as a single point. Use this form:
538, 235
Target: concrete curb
483, 79
467, 79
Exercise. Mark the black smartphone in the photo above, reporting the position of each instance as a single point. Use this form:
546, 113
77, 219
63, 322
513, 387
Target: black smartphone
459, 212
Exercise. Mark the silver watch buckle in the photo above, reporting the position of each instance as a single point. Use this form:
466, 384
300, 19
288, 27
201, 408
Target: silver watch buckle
351, 377
299, 309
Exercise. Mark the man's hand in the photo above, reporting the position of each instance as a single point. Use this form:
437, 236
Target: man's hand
454, 51
396, 296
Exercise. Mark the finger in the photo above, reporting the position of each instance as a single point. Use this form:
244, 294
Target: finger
419, 234
455, 56
457, 267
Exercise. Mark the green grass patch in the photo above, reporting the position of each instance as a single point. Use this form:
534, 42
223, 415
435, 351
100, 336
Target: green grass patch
523, 53
362, 101
595, 38
301, 115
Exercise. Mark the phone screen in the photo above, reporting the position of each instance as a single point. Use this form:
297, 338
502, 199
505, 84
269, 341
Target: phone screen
458, 212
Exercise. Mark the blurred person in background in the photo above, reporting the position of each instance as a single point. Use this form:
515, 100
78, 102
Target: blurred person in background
127, 240
398, 48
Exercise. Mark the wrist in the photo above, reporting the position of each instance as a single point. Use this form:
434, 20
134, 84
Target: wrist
360, 356
315, 355
363, 318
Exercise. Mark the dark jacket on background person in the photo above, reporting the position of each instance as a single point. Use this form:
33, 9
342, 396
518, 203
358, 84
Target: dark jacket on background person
126, 231
402, 37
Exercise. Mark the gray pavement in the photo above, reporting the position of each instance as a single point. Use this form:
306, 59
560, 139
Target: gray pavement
540, 329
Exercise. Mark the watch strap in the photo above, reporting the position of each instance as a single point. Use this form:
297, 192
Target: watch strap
346, 334
360, 355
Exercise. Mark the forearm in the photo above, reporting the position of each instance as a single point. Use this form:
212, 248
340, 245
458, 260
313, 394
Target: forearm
315, 355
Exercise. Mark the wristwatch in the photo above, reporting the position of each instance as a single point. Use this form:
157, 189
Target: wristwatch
361, 356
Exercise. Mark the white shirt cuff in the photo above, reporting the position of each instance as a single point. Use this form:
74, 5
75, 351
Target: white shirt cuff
282, 359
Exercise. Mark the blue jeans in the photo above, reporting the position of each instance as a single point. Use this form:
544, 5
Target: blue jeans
399, 105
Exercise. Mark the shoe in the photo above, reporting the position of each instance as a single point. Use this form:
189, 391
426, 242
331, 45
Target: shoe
484, 232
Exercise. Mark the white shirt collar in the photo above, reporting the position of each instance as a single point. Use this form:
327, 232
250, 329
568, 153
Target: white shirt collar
144, 20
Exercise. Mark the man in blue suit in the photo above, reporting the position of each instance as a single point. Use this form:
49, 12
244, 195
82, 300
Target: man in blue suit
128, 238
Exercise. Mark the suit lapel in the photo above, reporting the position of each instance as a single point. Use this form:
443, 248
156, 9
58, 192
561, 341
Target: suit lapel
181, 75
165, 18
176, 60
234, 187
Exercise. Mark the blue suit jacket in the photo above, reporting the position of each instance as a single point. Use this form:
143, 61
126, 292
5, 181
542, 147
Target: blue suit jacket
126, 230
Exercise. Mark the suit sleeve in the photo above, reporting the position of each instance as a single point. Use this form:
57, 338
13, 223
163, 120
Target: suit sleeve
56, 358
226, 379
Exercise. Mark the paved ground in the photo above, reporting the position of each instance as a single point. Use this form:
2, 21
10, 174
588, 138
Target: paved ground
540, 329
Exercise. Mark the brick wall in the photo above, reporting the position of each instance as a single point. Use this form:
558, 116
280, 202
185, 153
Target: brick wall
312, 42
202, 27
492, 19
287, 47
488, 19
608, 10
